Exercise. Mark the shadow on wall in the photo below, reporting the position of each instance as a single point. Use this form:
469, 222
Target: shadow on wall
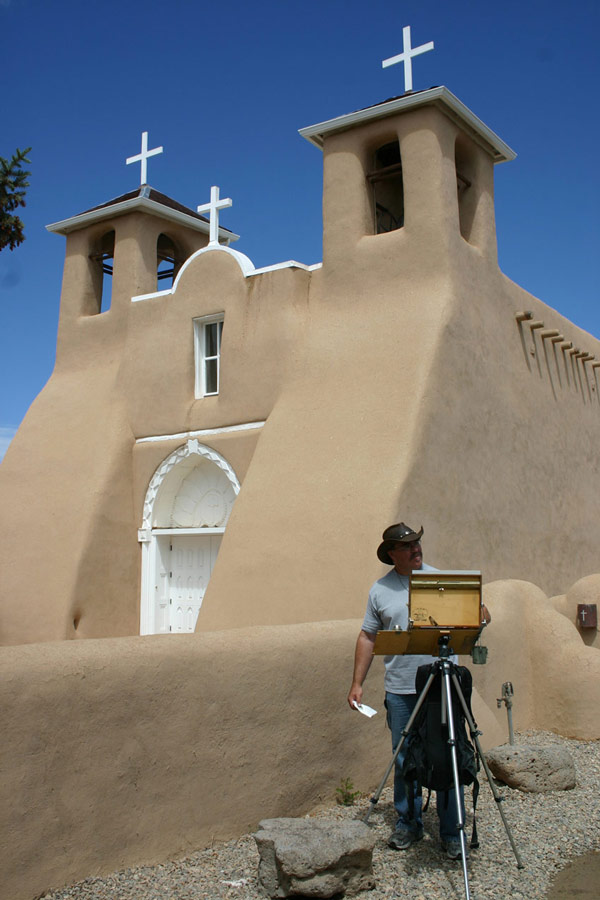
130, 750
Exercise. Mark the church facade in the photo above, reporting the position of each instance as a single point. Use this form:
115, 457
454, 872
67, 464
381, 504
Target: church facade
225, 452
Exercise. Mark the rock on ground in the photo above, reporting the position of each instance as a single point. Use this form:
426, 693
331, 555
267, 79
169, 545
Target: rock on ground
532, 768
314, 858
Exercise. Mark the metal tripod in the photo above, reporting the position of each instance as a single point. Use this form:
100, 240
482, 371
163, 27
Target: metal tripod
447, 669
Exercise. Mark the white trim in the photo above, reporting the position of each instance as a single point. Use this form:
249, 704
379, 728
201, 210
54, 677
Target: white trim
201, 357
147, 598
439, 96
245, 265
288, 264
164, 293
205, 432
243, 261
190, 448
126, 206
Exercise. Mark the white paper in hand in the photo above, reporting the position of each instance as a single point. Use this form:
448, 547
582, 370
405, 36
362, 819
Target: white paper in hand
364, 709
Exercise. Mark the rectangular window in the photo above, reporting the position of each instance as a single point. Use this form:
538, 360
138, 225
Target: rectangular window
207, 352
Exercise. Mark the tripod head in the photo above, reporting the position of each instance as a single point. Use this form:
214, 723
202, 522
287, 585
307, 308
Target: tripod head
444, 648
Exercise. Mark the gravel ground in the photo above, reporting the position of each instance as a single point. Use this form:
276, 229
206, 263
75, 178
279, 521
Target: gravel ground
549, 830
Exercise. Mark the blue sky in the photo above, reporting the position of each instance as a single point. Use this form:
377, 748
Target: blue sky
224, 89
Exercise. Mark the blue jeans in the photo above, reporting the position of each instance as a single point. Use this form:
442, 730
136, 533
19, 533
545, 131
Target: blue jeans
399, 709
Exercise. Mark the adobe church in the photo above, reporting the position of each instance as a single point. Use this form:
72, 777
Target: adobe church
226, 451
218, 450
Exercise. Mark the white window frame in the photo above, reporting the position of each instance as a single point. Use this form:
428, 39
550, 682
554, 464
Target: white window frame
200, 356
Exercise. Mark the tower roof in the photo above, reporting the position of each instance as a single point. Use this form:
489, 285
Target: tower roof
439, 97
147, 199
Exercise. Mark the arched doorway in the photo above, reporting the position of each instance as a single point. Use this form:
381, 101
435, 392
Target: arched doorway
186, 509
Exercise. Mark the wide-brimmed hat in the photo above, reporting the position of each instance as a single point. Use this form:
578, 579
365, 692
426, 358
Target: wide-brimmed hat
396, 534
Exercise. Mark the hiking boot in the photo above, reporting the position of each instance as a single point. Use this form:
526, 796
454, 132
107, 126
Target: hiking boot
452, 849
403, 838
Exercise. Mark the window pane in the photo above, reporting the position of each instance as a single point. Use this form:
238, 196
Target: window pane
211, 372
211, 346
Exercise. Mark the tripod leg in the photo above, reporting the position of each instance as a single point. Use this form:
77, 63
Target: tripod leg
375, 798
459, 806
497, 797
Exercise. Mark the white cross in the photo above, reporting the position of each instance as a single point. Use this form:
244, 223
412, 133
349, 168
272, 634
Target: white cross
143, 157
406, 57
212, 209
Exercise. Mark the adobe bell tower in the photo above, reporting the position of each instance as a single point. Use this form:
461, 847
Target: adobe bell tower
415, 171
131, 246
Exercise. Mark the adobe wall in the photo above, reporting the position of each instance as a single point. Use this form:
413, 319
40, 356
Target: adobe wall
132, 750
74, 480
503, 473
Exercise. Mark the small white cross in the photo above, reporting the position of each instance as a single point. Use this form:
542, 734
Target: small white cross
143, 157
406, 57
212, 209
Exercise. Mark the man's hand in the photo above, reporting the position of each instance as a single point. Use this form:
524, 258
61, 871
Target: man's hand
363, 657
355, 695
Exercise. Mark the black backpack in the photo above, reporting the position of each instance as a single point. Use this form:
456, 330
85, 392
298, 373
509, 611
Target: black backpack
427, 756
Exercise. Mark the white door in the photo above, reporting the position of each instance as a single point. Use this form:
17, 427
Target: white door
192, 558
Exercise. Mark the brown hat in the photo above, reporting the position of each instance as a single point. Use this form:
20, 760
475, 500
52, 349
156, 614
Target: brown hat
396, 534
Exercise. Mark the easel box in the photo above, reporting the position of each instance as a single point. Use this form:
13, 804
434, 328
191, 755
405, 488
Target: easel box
449, 599
424, 641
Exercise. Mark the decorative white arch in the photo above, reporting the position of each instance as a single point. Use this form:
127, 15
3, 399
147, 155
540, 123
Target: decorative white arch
191, 493
186, 452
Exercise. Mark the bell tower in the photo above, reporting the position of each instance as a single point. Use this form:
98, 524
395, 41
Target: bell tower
419, 166
130, 246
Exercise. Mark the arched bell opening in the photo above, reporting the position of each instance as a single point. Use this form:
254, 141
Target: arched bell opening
169, 260
465, 187
387, 188
102, 257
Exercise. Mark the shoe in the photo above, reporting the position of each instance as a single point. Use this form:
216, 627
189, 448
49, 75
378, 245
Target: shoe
402, 839
452, 849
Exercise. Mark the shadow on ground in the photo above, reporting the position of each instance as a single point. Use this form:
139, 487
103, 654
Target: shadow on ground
580, 879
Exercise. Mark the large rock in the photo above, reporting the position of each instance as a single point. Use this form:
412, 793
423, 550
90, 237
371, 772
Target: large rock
531, 768
314, 858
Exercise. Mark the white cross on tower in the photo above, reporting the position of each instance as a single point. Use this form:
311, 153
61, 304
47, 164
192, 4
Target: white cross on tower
143, 157
212, 209
406, 57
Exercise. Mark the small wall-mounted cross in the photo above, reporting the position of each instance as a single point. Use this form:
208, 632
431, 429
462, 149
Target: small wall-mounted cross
406, 57
212, 209
143, 157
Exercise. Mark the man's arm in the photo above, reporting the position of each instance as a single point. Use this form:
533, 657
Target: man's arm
363, 657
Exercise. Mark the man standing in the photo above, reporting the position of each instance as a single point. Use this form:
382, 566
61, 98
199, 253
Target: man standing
387, 608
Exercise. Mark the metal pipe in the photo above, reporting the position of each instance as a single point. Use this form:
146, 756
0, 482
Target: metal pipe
507, 695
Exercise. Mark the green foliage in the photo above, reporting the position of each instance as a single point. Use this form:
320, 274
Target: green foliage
346, 795
13, 181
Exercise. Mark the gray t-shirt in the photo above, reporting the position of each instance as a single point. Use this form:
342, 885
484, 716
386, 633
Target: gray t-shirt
387, 607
